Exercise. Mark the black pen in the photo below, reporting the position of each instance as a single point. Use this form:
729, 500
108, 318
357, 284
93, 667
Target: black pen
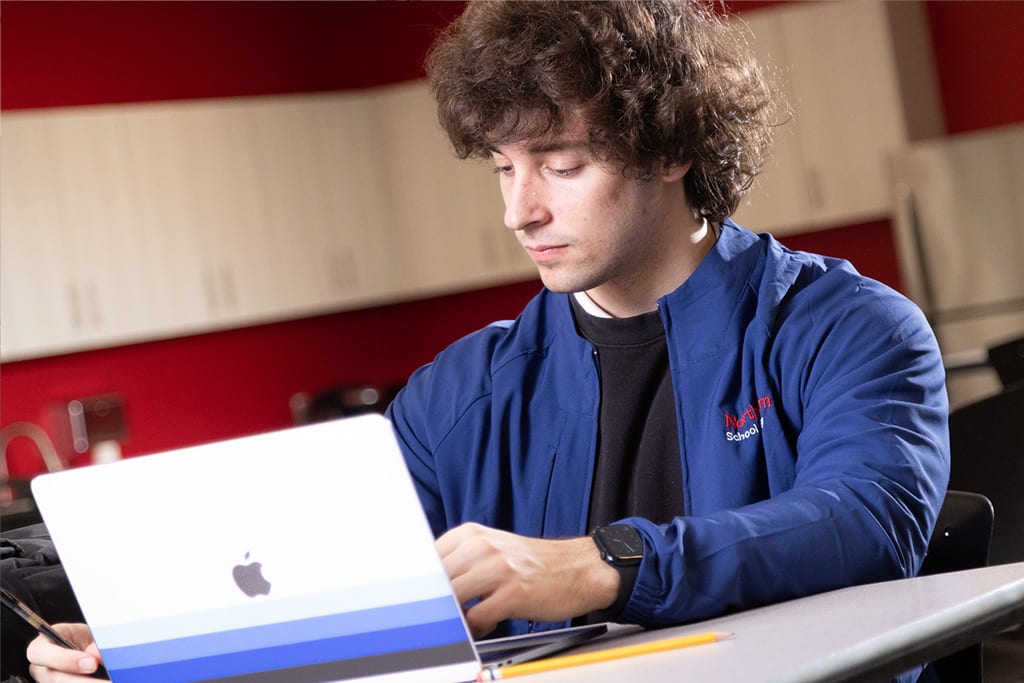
39, 624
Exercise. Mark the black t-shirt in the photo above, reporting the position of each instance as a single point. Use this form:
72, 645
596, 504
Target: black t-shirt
637, 472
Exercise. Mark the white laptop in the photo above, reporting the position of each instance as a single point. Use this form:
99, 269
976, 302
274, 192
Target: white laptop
298, 555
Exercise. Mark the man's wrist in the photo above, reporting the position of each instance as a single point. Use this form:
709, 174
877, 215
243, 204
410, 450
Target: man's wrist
621, 548
604, 581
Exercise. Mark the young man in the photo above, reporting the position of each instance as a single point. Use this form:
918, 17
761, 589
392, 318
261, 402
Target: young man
751, 424
689, 419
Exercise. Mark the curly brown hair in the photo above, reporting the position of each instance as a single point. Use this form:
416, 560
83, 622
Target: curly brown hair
657, 81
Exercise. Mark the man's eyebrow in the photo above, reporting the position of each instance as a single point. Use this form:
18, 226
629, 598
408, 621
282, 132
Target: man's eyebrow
548, 146
557, 146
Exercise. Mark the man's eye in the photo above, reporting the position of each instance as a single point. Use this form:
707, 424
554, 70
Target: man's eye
502, 170
566, 172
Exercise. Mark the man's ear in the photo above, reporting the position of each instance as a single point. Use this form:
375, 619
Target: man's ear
675, 172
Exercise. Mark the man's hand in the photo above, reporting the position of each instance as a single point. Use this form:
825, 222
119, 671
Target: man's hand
51, 662
516, 577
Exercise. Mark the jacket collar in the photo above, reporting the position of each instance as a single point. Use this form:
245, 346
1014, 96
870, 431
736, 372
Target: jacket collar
699, 309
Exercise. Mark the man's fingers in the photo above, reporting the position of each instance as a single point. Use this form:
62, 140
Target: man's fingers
481, 620
499, 575
473, 559
52, 663
44, 651
475, 577
47, 675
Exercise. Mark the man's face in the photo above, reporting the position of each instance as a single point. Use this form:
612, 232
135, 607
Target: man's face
586, 225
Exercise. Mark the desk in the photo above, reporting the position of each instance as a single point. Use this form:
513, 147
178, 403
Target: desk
863, 633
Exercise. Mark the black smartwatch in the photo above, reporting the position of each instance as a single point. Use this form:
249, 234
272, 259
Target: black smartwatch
622, 547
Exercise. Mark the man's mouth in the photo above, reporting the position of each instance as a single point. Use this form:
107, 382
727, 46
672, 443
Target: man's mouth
545, 253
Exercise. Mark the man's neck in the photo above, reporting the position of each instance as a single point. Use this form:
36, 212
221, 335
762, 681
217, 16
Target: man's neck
682, 255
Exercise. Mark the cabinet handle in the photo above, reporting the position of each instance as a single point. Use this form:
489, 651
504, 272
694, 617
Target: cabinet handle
815, 191
227, 287
210, 290
493, 248
74, 306
342, 271
93, 301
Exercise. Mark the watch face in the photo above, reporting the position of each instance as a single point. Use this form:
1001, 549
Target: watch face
620, 544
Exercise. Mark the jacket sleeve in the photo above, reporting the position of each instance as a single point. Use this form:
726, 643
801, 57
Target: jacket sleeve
438, 396
411, 430
866, 416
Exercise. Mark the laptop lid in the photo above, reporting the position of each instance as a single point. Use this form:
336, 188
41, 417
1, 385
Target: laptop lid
298, 555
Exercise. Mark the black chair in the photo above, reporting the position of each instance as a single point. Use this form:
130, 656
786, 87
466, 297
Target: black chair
30, 569
987, 447
963, 534
1007, 359
987, 456
961, 540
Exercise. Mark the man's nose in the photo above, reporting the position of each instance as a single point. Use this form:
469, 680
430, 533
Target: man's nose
524, 205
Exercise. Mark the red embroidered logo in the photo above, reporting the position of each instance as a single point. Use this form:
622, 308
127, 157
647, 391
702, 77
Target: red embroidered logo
747, 423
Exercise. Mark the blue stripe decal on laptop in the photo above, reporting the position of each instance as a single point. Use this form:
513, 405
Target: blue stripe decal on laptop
285, 633
397, 641
248, 613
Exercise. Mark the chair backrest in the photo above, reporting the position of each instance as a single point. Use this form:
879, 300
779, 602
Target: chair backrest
1008, 361
963, 534
987, 447
961, 540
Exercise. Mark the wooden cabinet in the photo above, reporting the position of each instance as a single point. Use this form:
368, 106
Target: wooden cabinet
321, 209
72, 255
448, 231
853, 76
190, 169
144, 221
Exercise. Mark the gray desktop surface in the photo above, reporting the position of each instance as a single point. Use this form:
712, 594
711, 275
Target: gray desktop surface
863, 633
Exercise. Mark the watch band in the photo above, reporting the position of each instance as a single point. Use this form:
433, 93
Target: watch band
621, 546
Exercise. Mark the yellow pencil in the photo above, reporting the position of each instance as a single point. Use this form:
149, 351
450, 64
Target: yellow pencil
498, 673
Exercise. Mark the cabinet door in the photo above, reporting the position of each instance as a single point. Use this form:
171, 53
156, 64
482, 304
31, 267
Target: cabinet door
273, 207
836, 71
33, 293
845, 90
105, 246
320, 194
778, 201
233, 247
448, 231
185, 286
71, 239
358, 262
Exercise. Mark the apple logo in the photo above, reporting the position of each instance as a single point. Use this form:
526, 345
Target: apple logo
249, 578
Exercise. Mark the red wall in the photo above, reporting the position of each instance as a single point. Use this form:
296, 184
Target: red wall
980, 61
74, 53
213, 386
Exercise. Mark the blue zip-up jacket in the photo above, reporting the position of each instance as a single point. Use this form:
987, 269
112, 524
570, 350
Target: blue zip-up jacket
812, 422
